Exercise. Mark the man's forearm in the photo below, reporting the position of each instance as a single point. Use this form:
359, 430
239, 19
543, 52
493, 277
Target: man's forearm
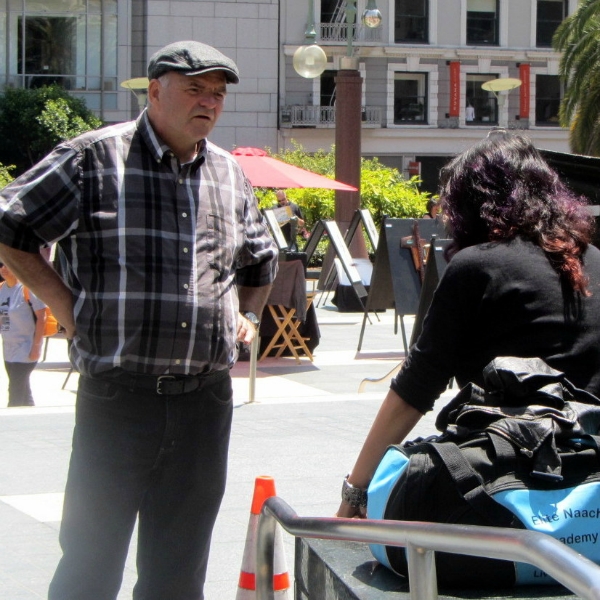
254, 299
34, 271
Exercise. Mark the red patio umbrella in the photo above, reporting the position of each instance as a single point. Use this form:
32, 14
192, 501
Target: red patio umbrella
265, 171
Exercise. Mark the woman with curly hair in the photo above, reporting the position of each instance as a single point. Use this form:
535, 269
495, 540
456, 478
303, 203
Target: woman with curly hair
523, 280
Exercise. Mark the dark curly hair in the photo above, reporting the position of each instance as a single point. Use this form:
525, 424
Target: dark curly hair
502, 188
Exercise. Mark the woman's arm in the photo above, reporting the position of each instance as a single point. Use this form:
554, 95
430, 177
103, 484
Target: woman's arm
394, 421
38, 335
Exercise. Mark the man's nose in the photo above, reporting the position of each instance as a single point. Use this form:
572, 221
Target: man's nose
207, 99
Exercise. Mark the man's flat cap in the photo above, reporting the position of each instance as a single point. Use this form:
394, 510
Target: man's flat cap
191, 58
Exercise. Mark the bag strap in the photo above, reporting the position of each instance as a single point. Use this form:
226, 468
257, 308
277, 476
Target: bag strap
470, 485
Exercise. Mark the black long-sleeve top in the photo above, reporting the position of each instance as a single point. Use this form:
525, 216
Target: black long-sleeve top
503, 299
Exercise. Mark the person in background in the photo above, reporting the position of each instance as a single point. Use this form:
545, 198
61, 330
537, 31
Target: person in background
168, 263
22, 322
523, 280
433, 208
286, 229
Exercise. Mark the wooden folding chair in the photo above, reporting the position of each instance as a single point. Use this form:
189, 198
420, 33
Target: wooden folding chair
288, 334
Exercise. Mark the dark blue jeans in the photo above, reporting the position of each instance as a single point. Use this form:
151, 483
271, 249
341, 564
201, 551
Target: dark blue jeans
162, 458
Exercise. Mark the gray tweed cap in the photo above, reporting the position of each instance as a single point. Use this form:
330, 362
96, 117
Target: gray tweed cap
191, 58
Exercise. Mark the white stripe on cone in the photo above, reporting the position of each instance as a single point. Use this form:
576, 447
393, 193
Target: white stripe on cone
248, 573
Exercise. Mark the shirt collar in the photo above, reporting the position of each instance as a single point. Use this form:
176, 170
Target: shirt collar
158, 148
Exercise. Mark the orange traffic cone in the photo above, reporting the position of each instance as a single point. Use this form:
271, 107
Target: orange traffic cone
264, 487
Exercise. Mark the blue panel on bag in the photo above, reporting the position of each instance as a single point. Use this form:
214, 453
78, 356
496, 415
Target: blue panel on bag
570, 515
387, 474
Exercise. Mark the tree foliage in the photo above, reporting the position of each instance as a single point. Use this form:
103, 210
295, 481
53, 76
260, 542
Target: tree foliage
578, 39
384, 191
33, 121
5, 176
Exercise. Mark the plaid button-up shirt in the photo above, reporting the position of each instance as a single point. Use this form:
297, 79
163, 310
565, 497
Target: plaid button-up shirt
152, 249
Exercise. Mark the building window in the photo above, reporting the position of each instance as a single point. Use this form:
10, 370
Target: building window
411, 23
482, 22
327, 92
410, 98
73, 44
550, 14
329, 9
47, 50
547, 100
481, 107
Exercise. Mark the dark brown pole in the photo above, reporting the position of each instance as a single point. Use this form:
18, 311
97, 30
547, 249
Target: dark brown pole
348, 118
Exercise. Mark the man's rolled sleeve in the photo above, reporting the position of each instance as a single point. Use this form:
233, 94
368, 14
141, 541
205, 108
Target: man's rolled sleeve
41, 206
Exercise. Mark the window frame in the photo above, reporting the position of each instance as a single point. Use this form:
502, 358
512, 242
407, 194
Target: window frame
539, 22
422, 79
426, 18
93, 74
552, 121
470, 40
483, 99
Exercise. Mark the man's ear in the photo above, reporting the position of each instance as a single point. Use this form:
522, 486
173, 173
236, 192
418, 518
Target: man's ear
153, 90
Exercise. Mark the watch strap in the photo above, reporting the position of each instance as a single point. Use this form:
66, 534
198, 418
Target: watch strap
354, 496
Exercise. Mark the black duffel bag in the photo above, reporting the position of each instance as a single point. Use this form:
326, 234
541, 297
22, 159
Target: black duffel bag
523, 452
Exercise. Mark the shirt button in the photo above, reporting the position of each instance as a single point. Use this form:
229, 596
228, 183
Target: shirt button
181, 181
184, 215
185, 250
186, 286
184, 324
177, 362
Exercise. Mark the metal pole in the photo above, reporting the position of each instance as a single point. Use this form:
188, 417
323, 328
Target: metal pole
254, 346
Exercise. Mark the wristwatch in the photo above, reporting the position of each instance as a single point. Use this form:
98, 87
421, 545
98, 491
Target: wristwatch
252, 318
354, 496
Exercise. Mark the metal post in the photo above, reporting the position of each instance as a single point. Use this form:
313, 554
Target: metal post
254, 347
421, 573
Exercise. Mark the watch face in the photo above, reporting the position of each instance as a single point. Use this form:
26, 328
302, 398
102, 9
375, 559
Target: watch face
252, 318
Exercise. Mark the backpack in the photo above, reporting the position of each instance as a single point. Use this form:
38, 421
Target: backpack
52, 326
522, 452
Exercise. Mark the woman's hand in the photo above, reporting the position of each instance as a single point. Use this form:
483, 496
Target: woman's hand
347, 511
36, 351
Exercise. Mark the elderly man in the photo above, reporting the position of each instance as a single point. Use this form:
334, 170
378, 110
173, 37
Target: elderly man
168, 262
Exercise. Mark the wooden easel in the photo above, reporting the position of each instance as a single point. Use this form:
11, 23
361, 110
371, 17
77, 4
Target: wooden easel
397, 281
362, 217
434, 268
339, 249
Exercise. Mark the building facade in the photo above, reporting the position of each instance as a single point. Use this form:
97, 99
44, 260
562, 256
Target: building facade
422, 69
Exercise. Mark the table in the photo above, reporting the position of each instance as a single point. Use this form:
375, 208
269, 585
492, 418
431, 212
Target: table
289, 301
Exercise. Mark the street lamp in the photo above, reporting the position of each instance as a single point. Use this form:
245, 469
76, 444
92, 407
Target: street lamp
348, 117
139, 87
310, 60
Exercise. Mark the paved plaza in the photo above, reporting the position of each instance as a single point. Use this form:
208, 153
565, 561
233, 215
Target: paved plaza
304, 428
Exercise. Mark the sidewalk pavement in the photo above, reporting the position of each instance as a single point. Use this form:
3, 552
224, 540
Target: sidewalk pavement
304, 428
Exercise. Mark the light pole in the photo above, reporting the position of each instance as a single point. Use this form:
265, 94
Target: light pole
348, 118
139, 87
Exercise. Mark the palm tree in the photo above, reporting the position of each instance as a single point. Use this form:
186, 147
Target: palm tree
578, 38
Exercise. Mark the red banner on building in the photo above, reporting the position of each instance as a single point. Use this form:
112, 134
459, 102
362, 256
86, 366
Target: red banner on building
524, 90
454, 89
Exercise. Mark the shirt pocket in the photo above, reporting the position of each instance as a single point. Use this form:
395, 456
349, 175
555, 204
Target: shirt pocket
221, 243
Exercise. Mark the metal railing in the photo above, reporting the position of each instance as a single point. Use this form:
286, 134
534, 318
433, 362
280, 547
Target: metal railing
324, 116
422, 540
338, 33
